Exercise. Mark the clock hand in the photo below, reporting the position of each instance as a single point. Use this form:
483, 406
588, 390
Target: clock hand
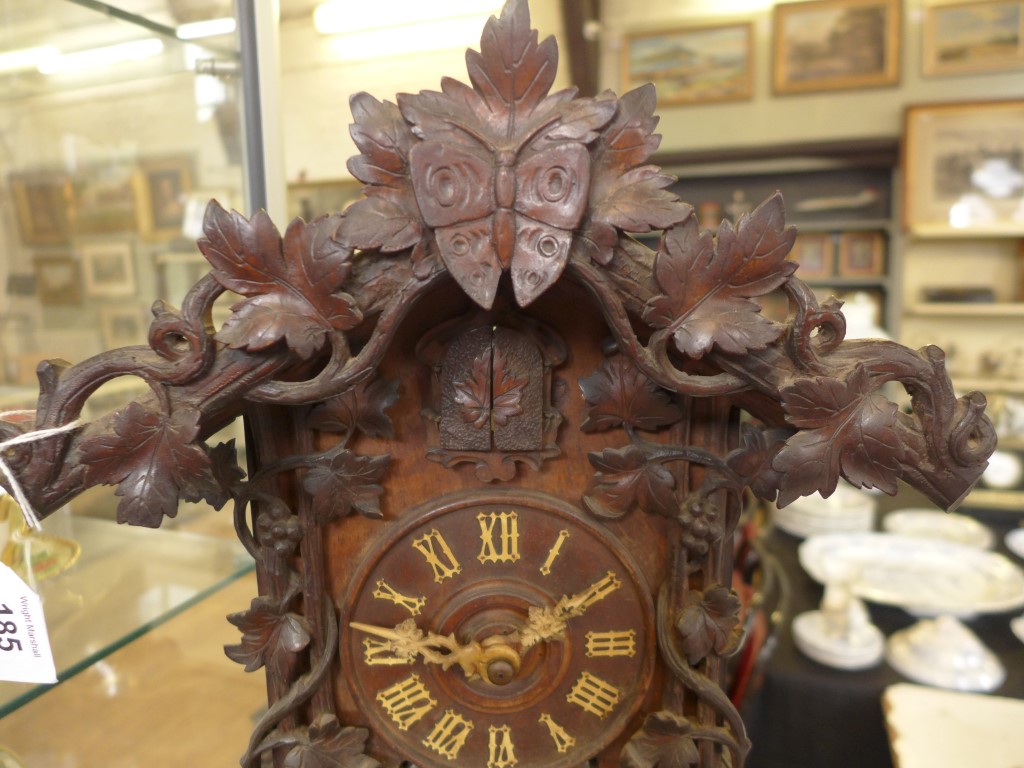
493, 660
548, 622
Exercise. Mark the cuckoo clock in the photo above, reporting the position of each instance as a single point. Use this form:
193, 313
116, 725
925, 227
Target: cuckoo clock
497, 447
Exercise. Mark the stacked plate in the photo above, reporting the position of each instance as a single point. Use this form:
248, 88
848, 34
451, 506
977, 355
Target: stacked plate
848, 510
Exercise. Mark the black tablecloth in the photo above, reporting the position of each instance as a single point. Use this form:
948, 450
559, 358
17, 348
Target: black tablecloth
801, 714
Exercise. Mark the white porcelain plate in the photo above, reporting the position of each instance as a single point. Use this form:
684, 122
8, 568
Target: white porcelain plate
924, 576
1014, 541
933, 524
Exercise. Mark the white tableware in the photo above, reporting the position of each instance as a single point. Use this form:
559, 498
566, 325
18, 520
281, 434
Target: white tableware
1014, 541
840, 634
1017, 627
944, 653
848, 509
926, 577
933, 524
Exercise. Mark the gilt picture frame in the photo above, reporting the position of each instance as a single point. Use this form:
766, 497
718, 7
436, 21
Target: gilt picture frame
108, 268
971, 38
962, 167
861, 254
692, 65
815, 253
827, 45
162, 187
42, 205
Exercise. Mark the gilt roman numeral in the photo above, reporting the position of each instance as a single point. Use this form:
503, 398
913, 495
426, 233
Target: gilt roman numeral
563, 741
449, 734
593, 695
499, 534
598, 590
555, 550
385, 591
501, 750
611, 643
438, 554
407, 701
379, 652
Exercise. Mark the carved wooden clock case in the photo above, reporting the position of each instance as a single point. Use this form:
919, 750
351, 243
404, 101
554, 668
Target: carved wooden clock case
497, 447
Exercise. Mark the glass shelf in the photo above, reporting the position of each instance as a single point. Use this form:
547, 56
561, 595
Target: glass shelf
125, 582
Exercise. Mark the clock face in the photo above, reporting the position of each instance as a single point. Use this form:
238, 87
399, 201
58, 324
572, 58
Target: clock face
491, 633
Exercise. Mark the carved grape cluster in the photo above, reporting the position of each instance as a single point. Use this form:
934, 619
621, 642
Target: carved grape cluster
279, 529
701, 522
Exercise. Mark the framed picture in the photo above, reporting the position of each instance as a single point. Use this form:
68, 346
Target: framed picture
109, 268
693, 65
123, 325
973, 37
826, 45
58, 280
162, 187
963, 168
42, 203
104, 200
861, 254
814, 253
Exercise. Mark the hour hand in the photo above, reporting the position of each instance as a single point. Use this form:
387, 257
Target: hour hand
548, 623
492, 662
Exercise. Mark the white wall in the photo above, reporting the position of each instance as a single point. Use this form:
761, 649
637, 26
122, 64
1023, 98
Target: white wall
316, 87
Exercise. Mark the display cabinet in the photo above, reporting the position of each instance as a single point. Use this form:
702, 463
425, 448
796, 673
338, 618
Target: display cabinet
846, 245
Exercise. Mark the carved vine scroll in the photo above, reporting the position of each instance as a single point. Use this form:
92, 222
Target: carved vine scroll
465, 184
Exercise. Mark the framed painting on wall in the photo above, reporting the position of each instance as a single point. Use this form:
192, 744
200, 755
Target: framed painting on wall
58, 280
692, 65
122, 325
827, 45
163, 185
963, 168
104, 200
42, 204
964, 38
109, 268
814, 253
861, 254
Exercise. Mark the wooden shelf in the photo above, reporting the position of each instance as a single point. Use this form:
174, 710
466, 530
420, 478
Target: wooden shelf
988, 386
840, 225
1011, 501
966, 309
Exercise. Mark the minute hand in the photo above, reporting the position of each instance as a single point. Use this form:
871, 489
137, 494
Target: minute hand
548, 623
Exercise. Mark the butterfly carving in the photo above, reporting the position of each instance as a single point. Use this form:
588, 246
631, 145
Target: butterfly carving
497, 209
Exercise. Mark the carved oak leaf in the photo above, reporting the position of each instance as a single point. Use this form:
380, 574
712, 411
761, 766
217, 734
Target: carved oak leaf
847, 428
267, 631
344, 481
619, 394
665, 741
708, 290
291, 287
359, 409
709, 622
636, 201
506, 391
326, 744
154, 461
474, 393
626, 478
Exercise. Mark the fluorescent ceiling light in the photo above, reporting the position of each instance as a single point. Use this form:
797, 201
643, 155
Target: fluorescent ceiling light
414, 38
343, 16
209, 28
27, 58
135, 50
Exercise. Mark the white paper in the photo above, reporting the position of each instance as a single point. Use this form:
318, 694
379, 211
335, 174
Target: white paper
25, 655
